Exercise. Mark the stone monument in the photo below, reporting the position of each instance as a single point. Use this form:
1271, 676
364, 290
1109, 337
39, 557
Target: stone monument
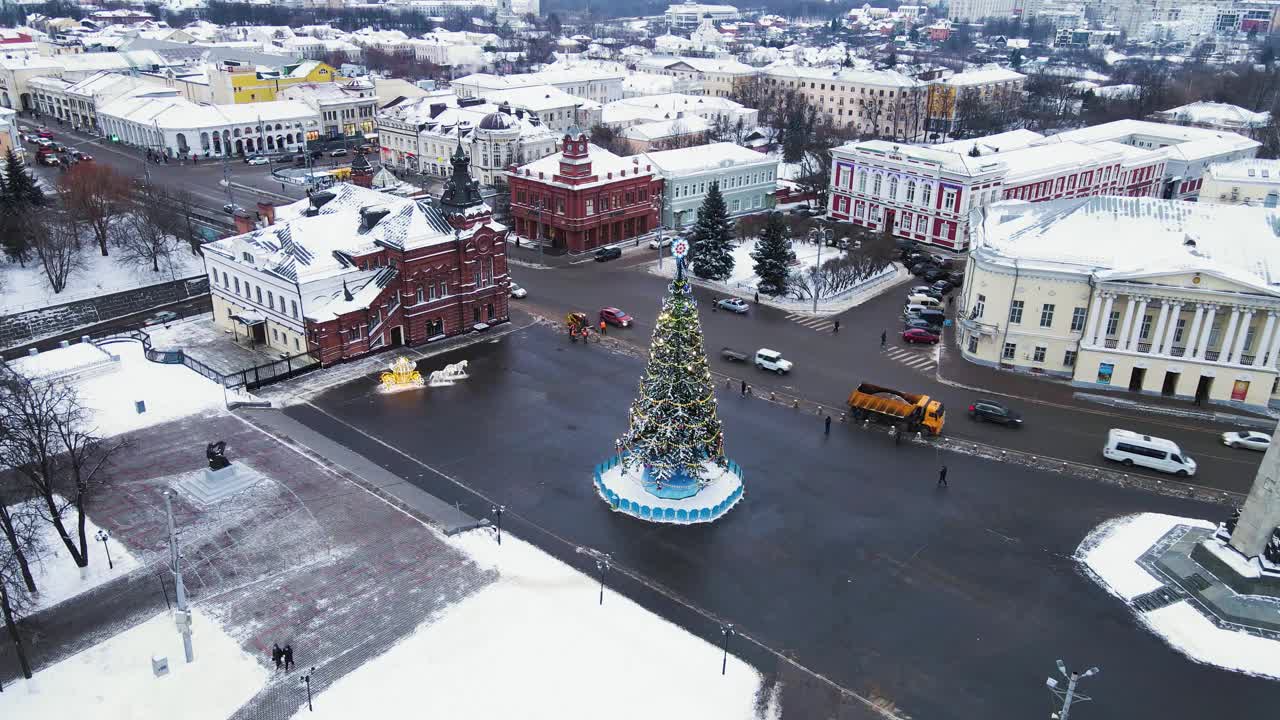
1260, 514
220, 480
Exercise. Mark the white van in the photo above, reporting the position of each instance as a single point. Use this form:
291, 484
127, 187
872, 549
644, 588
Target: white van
1156, 453
924, 300
911, 312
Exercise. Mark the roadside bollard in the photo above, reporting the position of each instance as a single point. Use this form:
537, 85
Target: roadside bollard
728, 383
841, 417
796, 403
772, 397
919, 437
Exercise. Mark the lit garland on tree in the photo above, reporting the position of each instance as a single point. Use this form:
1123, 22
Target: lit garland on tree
674, 429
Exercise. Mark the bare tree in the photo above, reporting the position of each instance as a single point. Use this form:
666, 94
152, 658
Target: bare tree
55, 238
18, 522
186, 231
46, 438
145, 236
97, 194
14, 604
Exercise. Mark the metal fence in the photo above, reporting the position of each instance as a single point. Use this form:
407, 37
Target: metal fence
274, 371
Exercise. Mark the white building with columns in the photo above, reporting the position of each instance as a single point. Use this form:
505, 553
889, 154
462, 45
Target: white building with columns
1161, 297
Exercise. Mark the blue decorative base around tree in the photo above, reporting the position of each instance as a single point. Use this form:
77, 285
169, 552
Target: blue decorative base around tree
681, 500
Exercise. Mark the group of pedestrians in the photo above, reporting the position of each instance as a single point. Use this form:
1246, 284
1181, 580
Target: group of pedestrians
282, 657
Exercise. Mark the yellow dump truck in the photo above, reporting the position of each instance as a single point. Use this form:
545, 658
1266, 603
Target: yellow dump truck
907, 411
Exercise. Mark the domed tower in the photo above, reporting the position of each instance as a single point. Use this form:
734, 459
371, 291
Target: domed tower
461, 200
361, 171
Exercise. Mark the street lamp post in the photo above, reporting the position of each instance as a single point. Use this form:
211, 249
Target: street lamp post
497, 510
602, 564
102, 537
306, 680
820, 237
539, 209
725, 632
1070, 695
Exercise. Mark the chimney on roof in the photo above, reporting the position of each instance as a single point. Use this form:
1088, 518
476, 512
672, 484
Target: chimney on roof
267, 212
369, 217
437, 108
346, 293
244, 222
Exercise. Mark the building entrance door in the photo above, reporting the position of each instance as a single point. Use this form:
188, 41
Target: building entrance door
260, 332
1203, 388
397, 336
1170, 383
1135, 380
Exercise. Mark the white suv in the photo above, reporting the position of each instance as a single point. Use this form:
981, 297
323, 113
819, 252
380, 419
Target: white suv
767, 359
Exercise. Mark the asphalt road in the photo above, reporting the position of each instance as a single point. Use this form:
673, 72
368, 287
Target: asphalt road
948, 603
828, 366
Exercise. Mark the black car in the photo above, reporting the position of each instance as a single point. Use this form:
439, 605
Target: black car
608, 253
922, 269
934, 274
943, 286
922, 324
992, 411
955, 278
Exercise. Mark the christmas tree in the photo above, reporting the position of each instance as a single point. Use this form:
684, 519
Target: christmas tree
674, 429
712, 238
773, 256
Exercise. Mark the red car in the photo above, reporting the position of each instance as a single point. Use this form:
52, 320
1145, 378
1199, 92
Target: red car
45, 133
615, 317
919, 335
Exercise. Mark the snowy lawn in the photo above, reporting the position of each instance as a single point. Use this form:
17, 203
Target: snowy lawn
169, 391
1112, 549
27, 288
56, 574
113, 680
535, 644
1191, 633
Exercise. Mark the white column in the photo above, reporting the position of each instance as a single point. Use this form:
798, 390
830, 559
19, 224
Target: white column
1193, 334
1095, 311
1202, 343
1157, 337
1100, 339
1166, 343
1274, 351
1242, 333
1228, 337
1261, 355
1136, 333
1123, 338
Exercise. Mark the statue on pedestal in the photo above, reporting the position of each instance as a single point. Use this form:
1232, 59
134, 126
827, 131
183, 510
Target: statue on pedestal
216, 453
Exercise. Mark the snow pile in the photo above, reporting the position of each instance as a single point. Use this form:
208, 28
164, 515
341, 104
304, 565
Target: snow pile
113, 680
78, 359
27, 288
1194, 635
169, 391
1112, 549
56, 574
535, 644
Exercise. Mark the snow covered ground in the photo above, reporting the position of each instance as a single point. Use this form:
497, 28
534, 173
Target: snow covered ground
1191, 633
56, 574
1112, 549
169, 391
27, 288
535, 644
113, 680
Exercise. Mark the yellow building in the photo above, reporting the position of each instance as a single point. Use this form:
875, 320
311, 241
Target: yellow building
235, 83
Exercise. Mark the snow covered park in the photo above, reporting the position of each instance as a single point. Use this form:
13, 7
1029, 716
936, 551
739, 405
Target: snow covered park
113, 680
536, 644
1111, 552
27, 288
110, 390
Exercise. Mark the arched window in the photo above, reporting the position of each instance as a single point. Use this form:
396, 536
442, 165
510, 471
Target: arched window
911, 191
875, 185
204, 141
862, 181
236, 132
926, 194
893, 188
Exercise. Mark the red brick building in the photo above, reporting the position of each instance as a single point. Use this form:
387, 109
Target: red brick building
352, 270
585, 196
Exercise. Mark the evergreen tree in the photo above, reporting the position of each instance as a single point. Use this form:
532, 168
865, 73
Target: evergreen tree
712, 238
773, 256
674, 429
19, 184
19, 195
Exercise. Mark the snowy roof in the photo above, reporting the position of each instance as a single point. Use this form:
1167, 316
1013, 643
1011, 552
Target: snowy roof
705, 65
664, 107
1029, 163
886, 78
62, 362
168, 109
675, 127
1219, 114
1127, 130
302, 248
486, 81
701, 158
983, 76
954, 162
459, 122
1125, 237
603, 162
540, 98
1252, 170
1011, 140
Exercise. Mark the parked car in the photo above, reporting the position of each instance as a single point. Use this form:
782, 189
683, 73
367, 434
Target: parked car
1131, 448
732, 355
339, 152
934, 274
992, 411
517, 291
258, 160
48, 159
922, 324
922, 269
942, 261
656, 243
925, 290
162, 317
79, 156
44, 142
767, 359
733, 305
800, 210
955, 278
44, 132
232, 209
943, 286
616, 317
918, 335
1247, 439
608, 253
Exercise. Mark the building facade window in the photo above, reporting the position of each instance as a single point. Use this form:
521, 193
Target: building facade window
1112, 322
1046, 315
911, 191
980, 306
1146, 327
926, 194
973, 343
875, 185
1037, 355
1010, 349
1069, 358
1077, 319
1015, 312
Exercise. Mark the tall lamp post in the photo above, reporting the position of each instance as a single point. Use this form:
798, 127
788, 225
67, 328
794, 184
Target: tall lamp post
602, 564
497, 511
725, 632
102, 537
1070, 695
820, 237
306, 680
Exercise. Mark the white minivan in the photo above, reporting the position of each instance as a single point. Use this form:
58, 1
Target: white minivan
924, 301
1131, 448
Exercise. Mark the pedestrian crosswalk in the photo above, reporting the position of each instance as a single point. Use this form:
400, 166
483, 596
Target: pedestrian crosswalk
923, 358
813, 323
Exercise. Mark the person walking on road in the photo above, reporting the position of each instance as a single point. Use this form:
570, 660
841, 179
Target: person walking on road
277, 655
744, 387
942, 477
835, 329
603, 326
883, 336
826, 430
288, 658
757, 297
